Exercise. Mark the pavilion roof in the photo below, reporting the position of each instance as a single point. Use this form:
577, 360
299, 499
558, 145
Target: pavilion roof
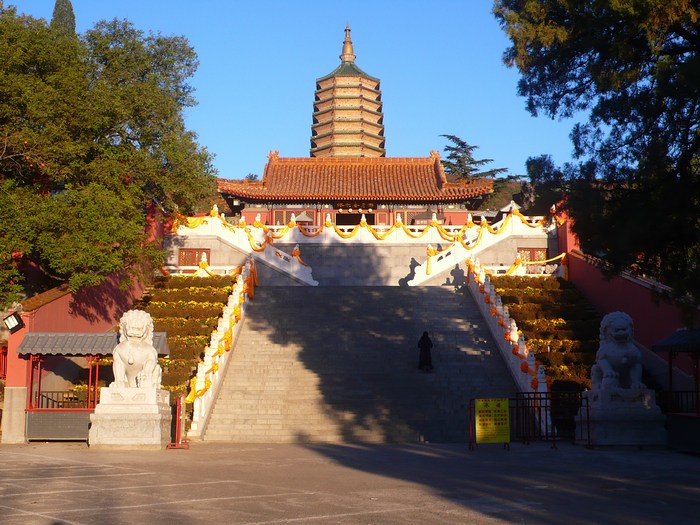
74, 343
396, 179
682, 340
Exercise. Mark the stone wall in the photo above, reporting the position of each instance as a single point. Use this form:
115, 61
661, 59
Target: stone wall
345, 264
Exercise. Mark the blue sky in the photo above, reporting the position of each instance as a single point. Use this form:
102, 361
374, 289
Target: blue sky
439, 64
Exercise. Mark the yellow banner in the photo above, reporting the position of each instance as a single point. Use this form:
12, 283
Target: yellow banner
492, 420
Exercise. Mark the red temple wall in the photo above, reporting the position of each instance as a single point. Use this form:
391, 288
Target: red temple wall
654, 318
96, 309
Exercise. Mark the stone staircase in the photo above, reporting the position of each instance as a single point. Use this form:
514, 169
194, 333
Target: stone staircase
339, 364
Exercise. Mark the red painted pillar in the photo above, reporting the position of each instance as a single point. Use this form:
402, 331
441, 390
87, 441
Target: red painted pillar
17, 386
17, 367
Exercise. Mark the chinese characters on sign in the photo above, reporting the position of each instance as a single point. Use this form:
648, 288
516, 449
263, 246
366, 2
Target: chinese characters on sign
492, 421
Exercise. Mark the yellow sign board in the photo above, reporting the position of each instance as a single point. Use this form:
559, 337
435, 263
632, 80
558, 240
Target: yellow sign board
492, 420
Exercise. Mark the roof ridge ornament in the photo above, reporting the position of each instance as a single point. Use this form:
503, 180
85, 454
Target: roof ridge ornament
348, 54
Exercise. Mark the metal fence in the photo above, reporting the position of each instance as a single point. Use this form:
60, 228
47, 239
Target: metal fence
679, 402
61, 400
544, 416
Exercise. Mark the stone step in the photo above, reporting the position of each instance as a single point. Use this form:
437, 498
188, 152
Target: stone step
340, 364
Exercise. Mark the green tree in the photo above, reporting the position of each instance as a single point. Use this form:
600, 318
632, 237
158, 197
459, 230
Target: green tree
63, 18
92, 135
632, 68
505, 190
546, 184
461, 164
15, 227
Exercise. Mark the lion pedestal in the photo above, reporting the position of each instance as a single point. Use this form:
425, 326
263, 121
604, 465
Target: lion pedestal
623, 417
133, 412
131, 418
621, 410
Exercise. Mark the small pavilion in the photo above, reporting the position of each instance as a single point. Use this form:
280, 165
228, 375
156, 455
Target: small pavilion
64, 380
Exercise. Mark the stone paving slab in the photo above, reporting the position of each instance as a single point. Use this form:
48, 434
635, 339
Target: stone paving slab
70, 484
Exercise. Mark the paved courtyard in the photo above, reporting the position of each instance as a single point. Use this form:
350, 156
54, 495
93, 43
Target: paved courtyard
68, 483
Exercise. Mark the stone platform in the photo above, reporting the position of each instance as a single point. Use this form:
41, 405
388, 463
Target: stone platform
131, 418
624, 417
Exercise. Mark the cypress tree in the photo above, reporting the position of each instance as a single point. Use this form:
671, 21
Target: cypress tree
63, 19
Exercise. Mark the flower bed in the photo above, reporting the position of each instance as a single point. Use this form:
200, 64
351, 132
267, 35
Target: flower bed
188, 309
557, 322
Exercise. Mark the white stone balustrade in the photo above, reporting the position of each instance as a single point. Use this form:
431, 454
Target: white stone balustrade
510, 341
211, 370
478, 238
251, 238
503, 328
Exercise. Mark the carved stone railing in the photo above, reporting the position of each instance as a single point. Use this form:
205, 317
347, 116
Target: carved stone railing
529, 375
252, 241
205, 386
470, 235
475, 239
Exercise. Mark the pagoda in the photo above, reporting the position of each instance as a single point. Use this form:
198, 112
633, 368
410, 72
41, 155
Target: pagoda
348, 176
347, 119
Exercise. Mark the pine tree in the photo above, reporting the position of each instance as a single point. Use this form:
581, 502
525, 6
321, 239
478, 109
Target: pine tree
461, 164
629, 71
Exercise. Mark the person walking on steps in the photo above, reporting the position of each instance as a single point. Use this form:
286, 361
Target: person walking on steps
425, 360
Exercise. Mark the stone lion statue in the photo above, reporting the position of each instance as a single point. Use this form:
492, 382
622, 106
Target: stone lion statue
618, 360
135, 357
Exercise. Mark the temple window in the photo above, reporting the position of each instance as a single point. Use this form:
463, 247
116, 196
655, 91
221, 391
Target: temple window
192, 257
533, 254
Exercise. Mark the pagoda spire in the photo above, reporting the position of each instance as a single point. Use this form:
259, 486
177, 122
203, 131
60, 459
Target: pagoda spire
347, 119
348, 55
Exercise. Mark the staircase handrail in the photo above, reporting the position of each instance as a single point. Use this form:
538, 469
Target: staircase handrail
528, 374
254, 242
259, 234
206, 384
259, 239
467, 245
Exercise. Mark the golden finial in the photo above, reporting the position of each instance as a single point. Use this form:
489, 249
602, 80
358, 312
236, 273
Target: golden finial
348, 55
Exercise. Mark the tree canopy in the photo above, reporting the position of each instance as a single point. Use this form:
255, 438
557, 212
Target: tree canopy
631, 67
546, 185
92, 135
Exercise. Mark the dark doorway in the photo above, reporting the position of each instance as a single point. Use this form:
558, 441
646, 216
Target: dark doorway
352, 219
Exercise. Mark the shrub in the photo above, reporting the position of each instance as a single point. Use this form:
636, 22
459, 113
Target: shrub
184, 309
179, 326
199, 294
188, 310
557, 322
216, 281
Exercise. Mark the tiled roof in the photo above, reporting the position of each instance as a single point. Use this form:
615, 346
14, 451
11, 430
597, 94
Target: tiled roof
347, 69
397, 179
39, 300
73, 343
